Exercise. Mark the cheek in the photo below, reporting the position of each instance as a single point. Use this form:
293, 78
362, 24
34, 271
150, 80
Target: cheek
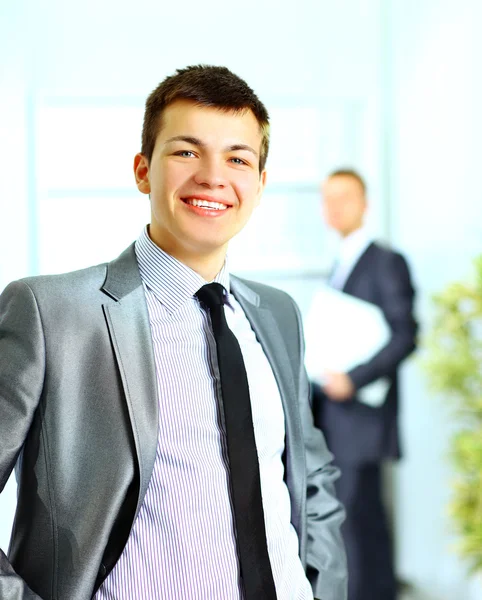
247, 191
350, 214
332, 214
169, 178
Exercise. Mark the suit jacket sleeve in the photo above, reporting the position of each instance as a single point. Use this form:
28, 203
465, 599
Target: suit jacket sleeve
326, 561
22, 360
396, 301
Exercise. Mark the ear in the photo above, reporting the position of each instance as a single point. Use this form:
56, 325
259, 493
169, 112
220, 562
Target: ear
262, 185
141, 172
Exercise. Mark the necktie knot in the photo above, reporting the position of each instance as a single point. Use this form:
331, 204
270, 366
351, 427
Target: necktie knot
211, 294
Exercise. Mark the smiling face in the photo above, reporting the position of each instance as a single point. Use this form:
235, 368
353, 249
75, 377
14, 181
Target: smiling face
203, 180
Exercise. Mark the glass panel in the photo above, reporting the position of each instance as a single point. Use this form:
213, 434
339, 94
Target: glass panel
285, 233
79, 232
87, 147
306, 142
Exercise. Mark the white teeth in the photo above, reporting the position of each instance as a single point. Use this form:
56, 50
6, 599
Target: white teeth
206, 204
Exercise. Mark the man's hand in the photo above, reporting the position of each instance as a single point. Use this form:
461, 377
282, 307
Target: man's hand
339, 387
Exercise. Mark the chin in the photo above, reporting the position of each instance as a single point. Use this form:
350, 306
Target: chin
336, 227
209, 246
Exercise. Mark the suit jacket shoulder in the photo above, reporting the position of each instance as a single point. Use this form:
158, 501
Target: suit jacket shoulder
376, 267
384, 252
283, 309
115, 279
268, 295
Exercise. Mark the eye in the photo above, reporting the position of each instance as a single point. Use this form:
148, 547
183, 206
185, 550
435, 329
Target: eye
185, 153
238, 161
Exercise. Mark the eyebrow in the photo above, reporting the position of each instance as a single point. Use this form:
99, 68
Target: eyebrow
197, 142
185, 138
235, 147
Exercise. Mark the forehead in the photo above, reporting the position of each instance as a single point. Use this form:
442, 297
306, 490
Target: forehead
210, 124
342, 186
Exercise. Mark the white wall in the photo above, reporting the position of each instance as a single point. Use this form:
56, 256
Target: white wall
13, 150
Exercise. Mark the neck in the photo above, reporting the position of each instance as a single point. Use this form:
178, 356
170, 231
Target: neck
207, 264
345, 234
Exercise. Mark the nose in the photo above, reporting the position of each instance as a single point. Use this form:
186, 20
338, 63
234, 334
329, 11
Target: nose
210, 174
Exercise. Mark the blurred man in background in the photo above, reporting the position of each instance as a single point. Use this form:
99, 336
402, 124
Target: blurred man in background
359, 435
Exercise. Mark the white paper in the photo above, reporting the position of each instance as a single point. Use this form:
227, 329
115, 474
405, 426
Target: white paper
342, 332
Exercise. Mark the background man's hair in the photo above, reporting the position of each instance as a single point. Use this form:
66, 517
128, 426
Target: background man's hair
206, 86
347, 172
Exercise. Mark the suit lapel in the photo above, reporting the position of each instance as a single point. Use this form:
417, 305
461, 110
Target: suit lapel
358, 269
272, 342
129, 328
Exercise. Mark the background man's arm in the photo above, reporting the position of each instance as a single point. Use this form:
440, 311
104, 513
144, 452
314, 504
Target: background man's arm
22, 364
396, 301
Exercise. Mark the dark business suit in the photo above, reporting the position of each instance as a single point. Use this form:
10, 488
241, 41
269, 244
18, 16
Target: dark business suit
79, 418
361, 436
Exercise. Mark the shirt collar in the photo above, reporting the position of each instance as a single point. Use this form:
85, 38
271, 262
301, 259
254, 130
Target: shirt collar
171, 281
353, 246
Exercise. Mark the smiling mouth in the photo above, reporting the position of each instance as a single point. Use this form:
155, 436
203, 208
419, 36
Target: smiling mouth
208, 204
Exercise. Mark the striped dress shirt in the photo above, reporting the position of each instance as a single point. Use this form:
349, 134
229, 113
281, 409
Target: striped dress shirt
182, 545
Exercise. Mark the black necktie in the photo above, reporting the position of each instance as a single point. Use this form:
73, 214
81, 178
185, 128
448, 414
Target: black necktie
254, 562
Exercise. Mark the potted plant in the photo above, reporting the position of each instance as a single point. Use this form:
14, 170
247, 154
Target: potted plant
454, 368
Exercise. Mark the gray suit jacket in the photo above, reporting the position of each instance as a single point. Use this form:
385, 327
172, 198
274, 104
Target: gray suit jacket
79, 419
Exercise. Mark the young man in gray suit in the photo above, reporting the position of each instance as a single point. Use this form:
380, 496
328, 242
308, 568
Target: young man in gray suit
112, 398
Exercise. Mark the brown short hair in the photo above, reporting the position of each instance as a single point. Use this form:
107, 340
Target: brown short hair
347, 172
206, 86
